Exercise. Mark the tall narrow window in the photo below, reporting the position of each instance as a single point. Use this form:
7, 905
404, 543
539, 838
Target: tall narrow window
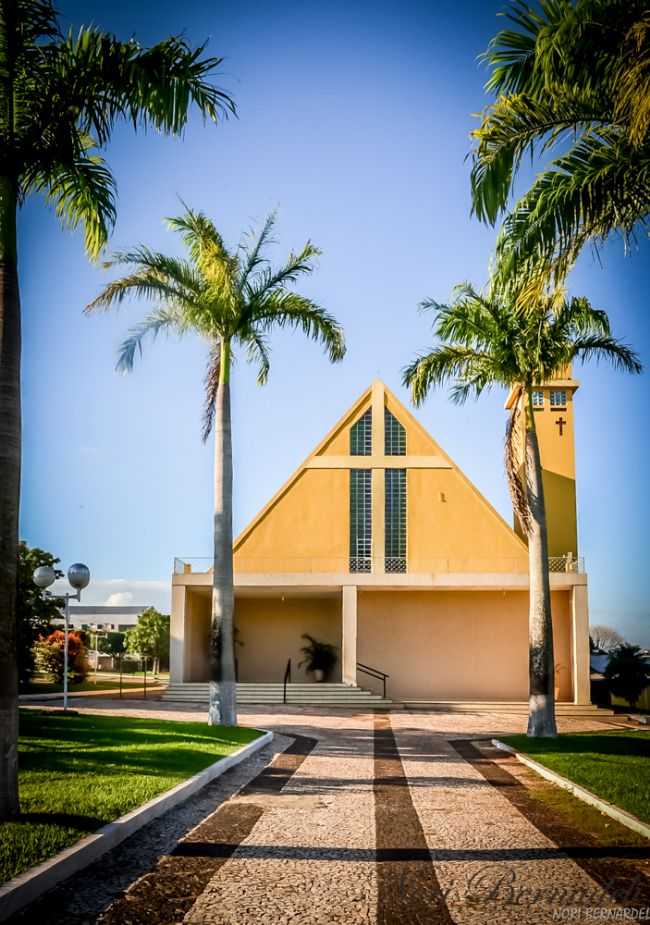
361, 436
360, 520
394, 435
395, 550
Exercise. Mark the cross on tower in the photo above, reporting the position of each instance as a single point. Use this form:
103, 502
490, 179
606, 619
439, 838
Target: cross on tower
560, 423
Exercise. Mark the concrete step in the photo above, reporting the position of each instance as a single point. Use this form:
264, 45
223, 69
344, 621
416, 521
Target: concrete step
315, 694
270, 685
509, 706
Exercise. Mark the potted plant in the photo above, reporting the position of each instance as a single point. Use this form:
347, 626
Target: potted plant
319, 657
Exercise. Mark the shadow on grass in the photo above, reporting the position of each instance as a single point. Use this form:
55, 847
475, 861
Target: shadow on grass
616, 745
65, 820
176, 758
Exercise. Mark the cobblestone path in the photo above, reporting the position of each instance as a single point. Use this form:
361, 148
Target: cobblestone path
361, 818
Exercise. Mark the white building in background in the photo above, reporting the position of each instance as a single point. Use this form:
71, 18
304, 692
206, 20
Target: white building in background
104, 617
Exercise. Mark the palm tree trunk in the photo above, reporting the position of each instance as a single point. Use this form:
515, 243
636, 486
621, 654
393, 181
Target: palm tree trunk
541, 716
223, 688
10, 436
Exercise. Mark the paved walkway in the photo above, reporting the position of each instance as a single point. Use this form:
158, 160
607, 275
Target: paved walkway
362, 818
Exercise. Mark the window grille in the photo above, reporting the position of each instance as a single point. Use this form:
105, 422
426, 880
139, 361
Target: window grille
360, 520
361, 435
395, 520
558, 399
394, 435
538, 399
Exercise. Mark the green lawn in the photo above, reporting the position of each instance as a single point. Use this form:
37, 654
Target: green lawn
79, 772
613, 765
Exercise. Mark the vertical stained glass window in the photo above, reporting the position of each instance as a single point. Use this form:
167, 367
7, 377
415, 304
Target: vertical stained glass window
360, 520
395, 521
394, 435
361, 435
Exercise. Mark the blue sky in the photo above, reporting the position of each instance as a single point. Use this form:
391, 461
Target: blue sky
354, 121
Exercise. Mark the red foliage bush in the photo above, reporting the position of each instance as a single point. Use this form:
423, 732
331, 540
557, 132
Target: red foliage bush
49, 656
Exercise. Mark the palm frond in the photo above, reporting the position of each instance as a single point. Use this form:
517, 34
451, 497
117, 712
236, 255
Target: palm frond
593, 190
218, 267
518, 125
515, 465
259, 353
160, 320
211, 383
599, 347
297, 265
511, 53
600, 114
82, 191
157, 277
632, 84
279, 308
111, 80
253, 247
466, 369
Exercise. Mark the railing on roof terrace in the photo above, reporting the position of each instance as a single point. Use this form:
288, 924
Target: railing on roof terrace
568, 563
362, 565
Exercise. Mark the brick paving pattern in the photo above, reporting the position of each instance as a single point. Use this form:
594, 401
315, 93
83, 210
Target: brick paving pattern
358, 818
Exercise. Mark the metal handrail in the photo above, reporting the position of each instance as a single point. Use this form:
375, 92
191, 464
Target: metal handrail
287, 679
374, 673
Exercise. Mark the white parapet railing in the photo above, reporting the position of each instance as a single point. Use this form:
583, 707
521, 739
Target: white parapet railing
568, 564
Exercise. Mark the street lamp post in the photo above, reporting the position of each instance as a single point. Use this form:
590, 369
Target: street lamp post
78, 577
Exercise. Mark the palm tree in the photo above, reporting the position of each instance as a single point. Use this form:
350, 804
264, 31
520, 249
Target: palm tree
628, 673
596, 116
488, 340
230, 298
60, 97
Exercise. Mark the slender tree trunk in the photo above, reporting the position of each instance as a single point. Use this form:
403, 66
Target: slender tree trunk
223, 688
9, 496
541, 716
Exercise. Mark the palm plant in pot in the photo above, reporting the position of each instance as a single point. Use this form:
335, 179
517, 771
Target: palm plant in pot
319, 658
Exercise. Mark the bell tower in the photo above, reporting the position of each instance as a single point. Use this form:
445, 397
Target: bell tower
553, 407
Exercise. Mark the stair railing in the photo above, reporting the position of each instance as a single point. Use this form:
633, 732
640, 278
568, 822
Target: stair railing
287, 680
374, 673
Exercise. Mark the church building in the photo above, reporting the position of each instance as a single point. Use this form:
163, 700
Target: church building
380, 545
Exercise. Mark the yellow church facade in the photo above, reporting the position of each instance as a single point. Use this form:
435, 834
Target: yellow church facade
381, 546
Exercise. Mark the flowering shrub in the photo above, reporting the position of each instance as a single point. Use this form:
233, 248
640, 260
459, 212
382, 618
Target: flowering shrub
48, 653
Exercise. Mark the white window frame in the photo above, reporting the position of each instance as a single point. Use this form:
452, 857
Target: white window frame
537, 399
558, 399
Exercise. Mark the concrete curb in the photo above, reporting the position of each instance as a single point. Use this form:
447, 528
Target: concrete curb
610, 809
24, 889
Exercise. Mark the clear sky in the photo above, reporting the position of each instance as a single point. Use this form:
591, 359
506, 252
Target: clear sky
354, 121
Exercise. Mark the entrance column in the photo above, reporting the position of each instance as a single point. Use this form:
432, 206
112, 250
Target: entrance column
349, 635
177, 635
580, 645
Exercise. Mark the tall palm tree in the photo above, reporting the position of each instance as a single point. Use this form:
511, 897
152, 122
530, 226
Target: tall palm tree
60, 97
231, 299
488, 340
595, 115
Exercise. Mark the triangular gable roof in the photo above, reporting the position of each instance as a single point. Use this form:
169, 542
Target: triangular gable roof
408, 420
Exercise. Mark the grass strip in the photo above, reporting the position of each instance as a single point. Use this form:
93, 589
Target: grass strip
613, 765
79, 772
